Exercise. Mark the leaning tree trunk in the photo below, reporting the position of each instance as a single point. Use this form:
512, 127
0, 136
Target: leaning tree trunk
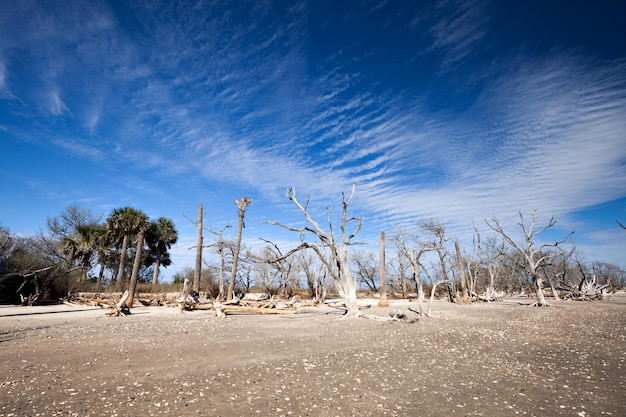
555, 292
133, 278
120, 271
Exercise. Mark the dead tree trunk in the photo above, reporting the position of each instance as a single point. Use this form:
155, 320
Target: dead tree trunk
533, 257
383, 284
337, 265
459, 260
197, 276
242, 205
120, 308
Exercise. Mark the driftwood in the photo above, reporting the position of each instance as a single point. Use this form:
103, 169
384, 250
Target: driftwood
256, 296
586, 290
187, 300
491, 295
120, 308
395, 316
252, 310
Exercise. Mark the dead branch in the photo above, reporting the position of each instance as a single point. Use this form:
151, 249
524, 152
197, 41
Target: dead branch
187, 300
120, 308
586, 290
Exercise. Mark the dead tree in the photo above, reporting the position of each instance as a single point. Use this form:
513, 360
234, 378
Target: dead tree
242, 205
365, 269
459, 260
283, 270
433, 288
220, 250
317, 276
415, 255
400, 267
383, 284
199, 239
588, 289
198, 271
337, 263
533, 256
29, 278
120, 309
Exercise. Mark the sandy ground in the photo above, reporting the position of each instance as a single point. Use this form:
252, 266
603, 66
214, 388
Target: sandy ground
497, 359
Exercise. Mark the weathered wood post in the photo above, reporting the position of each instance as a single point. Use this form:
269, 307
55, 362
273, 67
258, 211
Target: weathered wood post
383, 284
198, 272
459, 260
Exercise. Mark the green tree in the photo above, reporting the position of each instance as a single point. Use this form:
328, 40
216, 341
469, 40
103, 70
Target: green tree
103, 249
81, 247
161, 235
122, 224
63, 239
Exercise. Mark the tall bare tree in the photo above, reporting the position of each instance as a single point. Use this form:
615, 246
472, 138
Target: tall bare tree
242, 205
383, 283
433, 240
459, 260
533, 256
220, 251
399, 267
197, 276
366, 269
337, 262
317, 277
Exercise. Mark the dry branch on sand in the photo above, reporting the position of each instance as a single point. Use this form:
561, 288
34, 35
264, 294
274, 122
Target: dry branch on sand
586, 290
256, 303
120, 309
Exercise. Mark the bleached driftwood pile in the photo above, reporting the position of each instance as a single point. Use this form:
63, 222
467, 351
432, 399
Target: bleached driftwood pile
187, 300
586, 290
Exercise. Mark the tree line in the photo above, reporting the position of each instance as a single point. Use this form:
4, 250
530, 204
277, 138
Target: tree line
80, 248
127, 243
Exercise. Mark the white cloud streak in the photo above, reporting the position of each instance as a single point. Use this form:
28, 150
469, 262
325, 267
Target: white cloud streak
192, 90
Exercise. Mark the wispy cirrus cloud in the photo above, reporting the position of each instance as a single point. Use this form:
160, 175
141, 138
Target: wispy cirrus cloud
530, 142
458, 29
234, 97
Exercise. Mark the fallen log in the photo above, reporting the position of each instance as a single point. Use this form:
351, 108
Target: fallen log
224, 310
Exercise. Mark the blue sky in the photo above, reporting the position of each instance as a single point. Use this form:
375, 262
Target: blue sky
450, 110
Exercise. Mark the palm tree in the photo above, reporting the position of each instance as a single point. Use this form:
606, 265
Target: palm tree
103, 250
161, 236
122, 224
80, 247
142, 228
